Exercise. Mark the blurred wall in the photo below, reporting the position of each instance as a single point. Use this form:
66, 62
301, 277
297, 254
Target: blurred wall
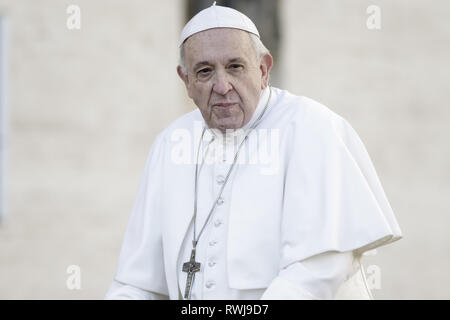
85, 105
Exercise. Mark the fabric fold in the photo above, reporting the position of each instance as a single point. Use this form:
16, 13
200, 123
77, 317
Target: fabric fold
331, 180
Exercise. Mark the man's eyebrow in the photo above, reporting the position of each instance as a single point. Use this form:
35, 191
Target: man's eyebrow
201, 63
207, 63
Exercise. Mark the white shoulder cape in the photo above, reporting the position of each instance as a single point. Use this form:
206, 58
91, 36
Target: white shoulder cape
333, 198
326, 196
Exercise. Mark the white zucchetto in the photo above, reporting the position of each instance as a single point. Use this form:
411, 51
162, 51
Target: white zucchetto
217, 17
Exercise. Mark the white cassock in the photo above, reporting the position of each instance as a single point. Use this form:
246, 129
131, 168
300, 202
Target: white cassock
300, 207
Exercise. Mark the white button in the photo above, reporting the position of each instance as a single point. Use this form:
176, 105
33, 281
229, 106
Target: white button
212, 243
220, 201
220, 179
211, 263
210, 284
217, 223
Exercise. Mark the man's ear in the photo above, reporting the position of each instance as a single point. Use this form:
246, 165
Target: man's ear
265, 66
183, 76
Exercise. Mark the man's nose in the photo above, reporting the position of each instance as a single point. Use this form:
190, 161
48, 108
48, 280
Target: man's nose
221, 83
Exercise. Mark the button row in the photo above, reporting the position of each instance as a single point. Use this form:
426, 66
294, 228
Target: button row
217, 223
212, 243
211, 263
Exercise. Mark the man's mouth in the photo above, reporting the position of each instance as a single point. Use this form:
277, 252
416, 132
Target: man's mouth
224, 105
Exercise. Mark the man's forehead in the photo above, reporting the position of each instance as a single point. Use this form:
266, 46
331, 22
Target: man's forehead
210, 48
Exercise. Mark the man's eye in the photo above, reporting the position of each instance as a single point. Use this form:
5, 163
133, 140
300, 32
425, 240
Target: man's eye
236, 66
204, 71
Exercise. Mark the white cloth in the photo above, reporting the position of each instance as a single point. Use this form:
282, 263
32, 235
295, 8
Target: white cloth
122, 291
315, 278
318, 194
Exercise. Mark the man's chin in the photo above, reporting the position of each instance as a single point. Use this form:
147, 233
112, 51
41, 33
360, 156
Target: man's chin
224, 128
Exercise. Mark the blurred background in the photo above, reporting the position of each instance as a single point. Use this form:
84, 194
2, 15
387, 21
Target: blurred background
82, 100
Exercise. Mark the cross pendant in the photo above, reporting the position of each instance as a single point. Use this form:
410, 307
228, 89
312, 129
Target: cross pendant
191, 267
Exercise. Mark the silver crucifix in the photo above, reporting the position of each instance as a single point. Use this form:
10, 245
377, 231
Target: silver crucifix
191, 267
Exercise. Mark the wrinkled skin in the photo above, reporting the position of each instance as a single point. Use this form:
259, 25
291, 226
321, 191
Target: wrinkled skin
224, 76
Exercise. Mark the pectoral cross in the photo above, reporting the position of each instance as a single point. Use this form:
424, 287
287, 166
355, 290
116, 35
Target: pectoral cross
191, 267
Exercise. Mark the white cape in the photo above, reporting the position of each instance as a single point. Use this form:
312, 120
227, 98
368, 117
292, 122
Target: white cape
323, 196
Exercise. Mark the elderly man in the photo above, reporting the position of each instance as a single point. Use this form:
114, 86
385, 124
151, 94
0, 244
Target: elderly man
220, 215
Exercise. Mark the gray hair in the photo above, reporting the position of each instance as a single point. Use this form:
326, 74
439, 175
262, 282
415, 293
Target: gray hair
256, 42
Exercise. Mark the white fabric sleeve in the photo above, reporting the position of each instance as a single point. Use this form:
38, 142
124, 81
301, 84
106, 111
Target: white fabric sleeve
121, 291
314, 278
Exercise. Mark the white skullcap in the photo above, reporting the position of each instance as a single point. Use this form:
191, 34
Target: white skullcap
217, 17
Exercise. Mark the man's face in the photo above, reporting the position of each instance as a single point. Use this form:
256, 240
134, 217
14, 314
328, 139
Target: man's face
224, 76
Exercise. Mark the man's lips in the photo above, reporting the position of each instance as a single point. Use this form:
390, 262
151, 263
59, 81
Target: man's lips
224, 105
